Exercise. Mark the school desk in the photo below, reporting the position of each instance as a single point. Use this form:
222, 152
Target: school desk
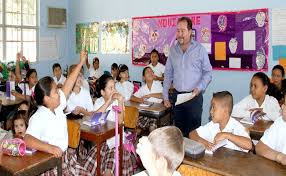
99, 134
257, 129
29, 165
235, 163
156, 110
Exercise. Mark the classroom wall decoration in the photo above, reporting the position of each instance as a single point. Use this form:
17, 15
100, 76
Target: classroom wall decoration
237, 40
114, 37
87, 37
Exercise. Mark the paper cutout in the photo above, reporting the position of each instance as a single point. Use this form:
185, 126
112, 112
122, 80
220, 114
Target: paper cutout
260, 19
222, 23
282, 62
208, 47
234, 62
233, 45
249, 40
220, 51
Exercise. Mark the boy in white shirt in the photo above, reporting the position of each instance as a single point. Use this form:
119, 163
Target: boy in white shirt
94, 71
222, 126
58, 76
123, 86
156, 66
272, 145
161, 152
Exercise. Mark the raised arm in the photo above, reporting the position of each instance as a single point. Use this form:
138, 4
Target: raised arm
68, 85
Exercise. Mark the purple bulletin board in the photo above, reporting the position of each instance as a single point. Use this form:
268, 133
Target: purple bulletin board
237, 40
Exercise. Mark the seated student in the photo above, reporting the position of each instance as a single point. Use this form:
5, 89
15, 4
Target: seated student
58, 76
79, 101
272, 145
108, 97
156, 66
278, 83
258, 100
19, 123
161, 152
94, 70
47, 130
222, 126
123, 86
114, 71
151, 92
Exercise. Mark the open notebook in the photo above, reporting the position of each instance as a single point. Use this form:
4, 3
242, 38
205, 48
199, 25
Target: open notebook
217, 146
97, 118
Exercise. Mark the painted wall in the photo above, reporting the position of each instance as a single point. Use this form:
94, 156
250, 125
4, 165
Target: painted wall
109, 10
44, 65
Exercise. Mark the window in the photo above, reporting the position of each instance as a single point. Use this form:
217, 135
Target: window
18, 29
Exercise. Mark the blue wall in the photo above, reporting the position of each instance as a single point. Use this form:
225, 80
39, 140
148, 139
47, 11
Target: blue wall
109, 10
44, 65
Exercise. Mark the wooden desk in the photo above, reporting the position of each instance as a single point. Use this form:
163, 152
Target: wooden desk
257, 129
157, 110
29, 165
99, 134
231, 163
8, 102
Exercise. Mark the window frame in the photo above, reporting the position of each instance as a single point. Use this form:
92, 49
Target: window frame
4, 27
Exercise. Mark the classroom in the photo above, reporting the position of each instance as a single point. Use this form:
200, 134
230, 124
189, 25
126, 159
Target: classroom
164, 76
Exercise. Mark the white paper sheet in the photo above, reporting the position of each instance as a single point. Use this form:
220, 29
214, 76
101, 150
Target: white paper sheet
182, 98
278, 26
208, 47
249, 40
234, 62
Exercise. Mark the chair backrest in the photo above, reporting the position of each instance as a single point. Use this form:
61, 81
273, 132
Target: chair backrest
74, 133
131, 115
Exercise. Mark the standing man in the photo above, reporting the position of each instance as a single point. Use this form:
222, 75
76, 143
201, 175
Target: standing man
189, 69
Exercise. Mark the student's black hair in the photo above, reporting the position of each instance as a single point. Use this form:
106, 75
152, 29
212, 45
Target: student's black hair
114, 66
225, 98
122, 68
101, 84
155, 51
21, 114
43, 88
279, 67
144, 70
56, 65
30, 72
265, 80
95, 59
188, 20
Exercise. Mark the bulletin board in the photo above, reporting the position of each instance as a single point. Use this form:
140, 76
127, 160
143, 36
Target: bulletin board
237, 40
87, 37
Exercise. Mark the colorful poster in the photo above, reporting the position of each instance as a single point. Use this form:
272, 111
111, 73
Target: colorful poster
225, 35
114, 37
87, 37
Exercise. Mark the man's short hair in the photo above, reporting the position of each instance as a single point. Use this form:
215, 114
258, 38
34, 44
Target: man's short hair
168, 142
225, 99
188, 20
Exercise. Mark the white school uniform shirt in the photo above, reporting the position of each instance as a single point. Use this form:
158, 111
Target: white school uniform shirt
111, 116
82, 99
270, 107
125, 89
144, 173
155, 88
158, 70
60, 81
211, 129
50, 127
274, 136
95, 73
29, 91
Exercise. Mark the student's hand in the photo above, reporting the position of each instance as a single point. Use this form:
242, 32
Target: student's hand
55, 151
281, 158
15, 93
147, 96
196, 92
78, 110
155, 77
83, 56
209, 145
24, 59
167, 103
118, 96
18, 56
145, 151
221, 136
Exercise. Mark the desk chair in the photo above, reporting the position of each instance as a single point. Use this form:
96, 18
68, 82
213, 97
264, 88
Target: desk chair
186, 170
